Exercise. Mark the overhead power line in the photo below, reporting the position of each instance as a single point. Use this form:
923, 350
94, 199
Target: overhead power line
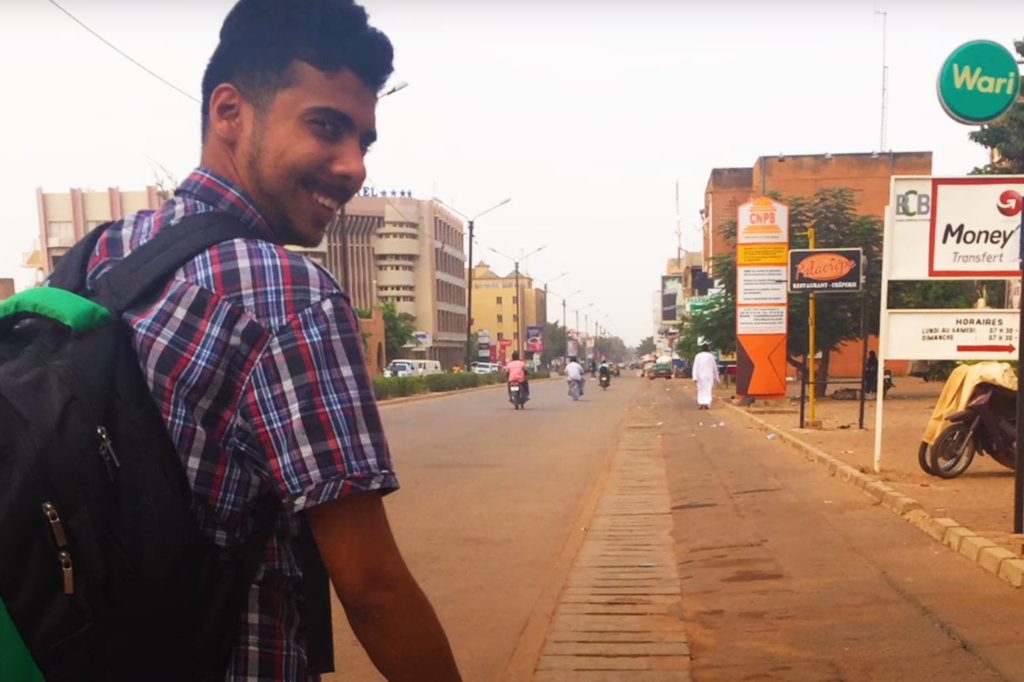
120, 52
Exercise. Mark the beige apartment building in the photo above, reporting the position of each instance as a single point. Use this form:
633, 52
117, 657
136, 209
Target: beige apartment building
411, 253
64, 218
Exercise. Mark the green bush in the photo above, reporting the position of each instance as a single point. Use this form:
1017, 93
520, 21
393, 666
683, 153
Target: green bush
386, 388
400, 387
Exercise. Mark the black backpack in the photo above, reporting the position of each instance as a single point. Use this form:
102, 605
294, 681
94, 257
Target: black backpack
104, 573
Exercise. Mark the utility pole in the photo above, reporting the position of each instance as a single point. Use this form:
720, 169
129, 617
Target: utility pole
885, 81
519, 319
469, 299
469, 273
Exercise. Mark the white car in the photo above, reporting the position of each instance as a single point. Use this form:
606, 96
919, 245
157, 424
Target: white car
398, 369
485, 367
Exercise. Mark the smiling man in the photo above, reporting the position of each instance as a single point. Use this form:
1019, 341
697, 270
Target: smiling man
254, 356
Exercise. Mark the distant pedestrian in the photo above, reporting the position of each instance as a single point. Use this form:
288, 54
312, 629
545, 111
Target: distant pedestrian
871, 374
705, 373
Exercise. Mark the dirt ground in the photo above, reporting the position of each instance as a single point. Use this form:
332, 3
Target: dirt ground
981, 499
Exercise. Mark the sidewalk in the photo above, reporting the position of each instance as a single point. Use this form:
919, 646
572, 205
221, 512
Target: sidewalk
981, 499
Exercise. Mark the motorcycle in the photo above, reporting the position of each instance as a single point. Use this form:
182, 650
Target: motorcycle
606, 381
988, 425
575, 390
516, 395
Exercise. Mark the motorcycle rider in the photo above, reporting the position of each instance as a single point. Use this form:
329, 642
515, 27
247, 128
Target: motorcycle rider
605, 371
517, 373
574, 372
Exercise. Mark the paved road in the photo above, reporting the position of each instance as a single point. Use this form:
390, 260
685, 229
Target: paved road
488, 500
791, 575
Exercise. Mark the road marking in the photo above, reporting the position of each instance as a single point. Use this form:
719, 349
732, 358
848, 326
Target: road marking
620, 613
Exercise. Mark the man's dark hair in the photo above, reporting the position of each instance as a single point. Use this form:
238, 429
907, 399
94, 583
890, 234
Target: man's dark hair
515, 355
261, 39
705, 347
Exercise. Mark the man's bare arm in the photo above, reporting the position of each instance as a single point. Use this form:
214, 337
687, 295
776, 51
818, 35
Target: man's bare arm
385, 606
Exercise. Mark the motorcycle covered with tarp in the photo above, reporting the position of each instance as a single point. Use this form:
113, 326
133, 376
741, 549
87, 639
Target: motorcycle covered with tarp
975, 414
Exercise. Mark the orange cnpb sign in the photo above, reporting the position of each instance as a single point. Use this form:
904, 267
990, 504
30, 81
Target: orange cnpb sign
762, 245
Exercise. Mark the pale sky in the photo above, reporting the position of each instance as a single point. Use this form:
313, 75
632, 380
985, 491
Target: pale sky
584, 113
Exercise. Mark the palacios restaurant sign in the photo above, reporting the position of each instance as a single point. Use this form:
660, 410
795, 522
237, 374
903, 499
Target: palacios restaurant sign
825, 270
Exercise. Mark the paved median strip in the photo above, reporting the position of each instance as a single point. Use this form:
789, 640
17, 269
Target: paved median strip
994, 559
619, 615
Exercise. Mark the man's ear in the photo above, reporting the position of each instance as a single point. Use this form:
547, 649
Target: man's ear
227, 111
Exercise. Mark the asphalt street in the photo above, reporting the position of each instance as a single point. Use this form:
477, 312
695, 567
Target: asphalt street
787, 574
487, 505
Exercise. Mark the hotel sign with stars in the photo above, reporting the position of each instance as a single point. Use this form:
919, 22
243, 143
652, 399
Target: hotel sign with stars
374, 192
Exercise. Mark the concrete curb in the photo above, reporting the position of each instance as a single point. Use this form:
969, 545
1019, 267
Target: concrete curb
985, 553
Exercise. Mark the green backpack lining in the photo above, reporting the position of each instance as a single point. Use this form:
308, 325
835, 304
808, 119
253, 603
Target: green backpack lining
78, 313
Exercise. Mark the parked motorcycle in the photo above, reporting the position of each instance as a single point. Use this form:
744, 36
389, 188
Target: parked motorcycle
887, 383
988, 425
516, 395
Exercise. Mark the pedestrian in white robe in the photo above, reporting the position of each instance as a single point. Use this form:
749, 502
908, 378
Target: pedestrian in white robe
705, 373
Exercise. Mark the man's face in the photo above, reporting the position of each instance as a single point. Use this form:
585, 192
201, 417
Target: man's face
304, 155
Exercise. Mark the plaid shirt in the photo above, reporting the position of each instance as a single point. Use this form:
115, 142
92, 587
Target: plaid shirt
255, 359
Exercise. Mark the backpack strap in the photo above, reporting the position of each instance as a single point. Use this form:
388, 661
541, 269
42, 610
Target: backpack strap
70, 274
155, 262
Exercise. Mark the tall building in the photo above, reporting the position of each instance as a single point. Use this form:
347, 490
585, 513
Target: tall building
494, 306
410, 252
64, 218
867, 175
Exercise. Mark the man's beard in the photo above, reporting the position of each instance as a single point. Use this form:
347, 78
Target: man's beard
273, 212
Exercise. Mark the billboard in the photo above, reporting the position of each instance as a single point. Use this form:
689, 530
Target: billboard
572, 348
535, 339
671, 295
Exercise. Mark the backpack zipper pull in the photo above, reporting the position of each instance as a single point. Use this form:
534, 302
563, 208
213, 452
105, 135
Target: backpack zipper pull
55, 525
107, 452
69, 576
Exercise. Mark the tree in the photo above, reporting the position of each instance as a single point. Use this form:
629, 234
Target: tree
646, 346
612, 348
398, 329
1004, 136
554, 342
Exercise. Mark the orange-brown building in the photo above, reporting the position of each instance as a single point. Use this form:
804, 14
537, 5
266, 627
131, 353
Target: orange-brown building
866, 175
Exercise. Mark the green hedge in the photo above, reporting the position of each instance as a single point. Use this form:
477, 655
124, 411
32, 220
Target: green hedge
399, 387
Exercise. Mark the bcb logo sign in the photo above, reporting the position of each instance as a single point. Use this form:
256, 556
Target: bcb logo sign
913, 204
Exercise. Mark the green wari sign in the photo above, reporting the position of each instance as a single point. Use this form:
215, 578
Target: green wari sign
978, 82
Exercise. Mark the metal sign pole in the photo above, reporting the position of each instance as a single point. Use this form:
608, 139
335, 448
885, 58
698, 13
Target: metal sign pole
864, 337
1018, 467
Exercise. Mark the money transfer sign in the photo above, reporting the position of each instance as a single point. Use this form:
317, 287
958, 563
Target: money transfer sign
978, 82
952, 335
975, 227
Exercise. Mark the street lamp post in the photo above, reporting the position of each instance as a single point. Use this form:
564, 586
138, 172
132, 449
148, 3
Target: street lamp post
578, 319
519, 295
565, 326
469, 274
